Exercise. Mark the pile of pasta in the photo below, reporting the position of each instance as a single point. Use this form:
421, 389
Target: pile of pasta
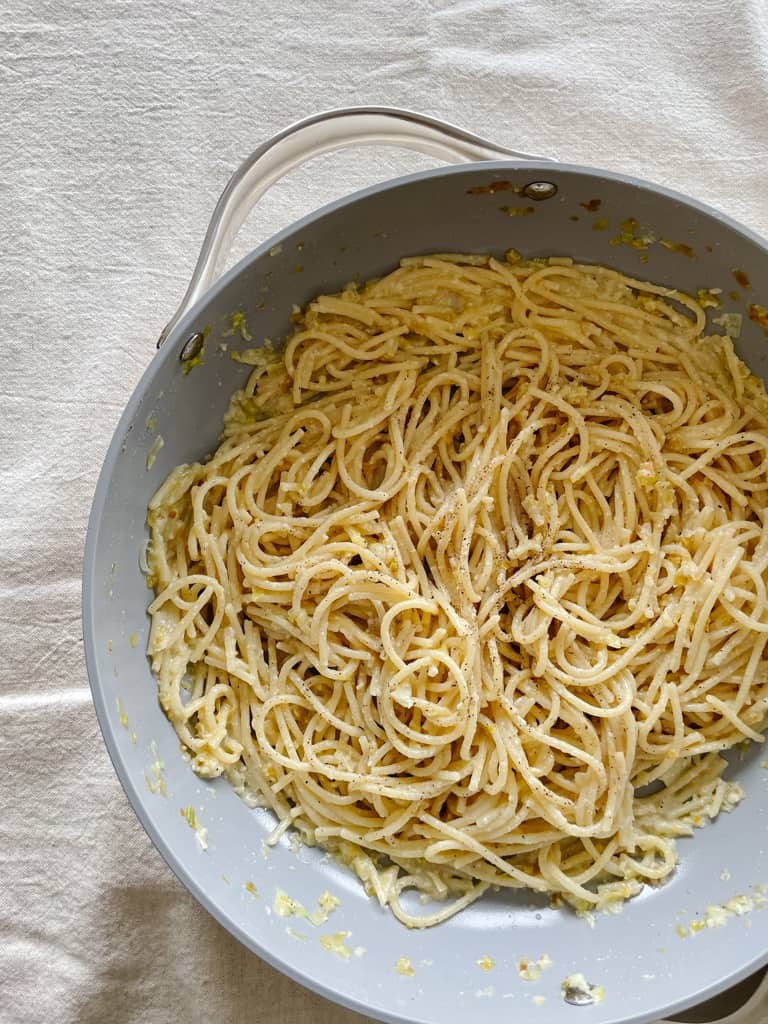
473, 592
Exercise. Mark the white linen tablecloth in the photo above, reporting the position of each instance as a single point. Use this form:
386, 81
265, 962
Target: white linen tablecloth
120, 125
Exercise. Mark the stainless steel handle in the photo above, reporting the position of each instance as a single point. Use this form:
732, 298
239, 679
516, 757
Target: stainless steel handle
321, 133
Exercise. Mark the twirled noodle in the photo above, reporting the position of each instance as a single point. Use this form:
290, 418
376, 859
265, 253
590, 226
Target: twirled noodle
481, 555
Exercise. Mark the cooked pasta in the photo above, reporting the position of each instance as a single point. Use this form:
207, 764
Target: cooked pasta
473, 592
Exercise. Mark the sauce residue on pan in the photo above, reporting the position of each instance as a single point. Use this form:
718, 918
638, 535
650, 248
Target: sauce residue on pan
495, 186
238, 325
758, 315
741, 278
592, 205
633, 235
718, 915
681, 247
156, 783
201, 833
709, 298
517, 211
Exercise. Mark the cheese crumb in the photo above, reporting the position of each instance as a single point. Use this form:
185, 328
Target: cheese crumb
531, 970
326, 906
335, 944
284, 906
405, 967
201, 834
329, 902
579, 992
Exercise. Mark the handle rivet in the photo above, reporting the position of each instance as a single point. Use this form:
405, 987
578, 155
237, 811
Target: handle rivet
192, 347
539, 190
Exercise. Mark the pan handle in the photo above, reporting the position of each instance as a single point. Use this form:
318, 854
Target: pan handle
321, 133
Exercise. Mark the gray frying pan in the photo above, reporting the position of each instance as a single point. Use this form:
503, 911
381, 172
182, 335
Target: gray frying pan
666, 950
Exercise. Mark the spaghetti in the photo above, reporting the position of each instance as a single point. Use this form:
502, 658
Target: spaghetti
473, 591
